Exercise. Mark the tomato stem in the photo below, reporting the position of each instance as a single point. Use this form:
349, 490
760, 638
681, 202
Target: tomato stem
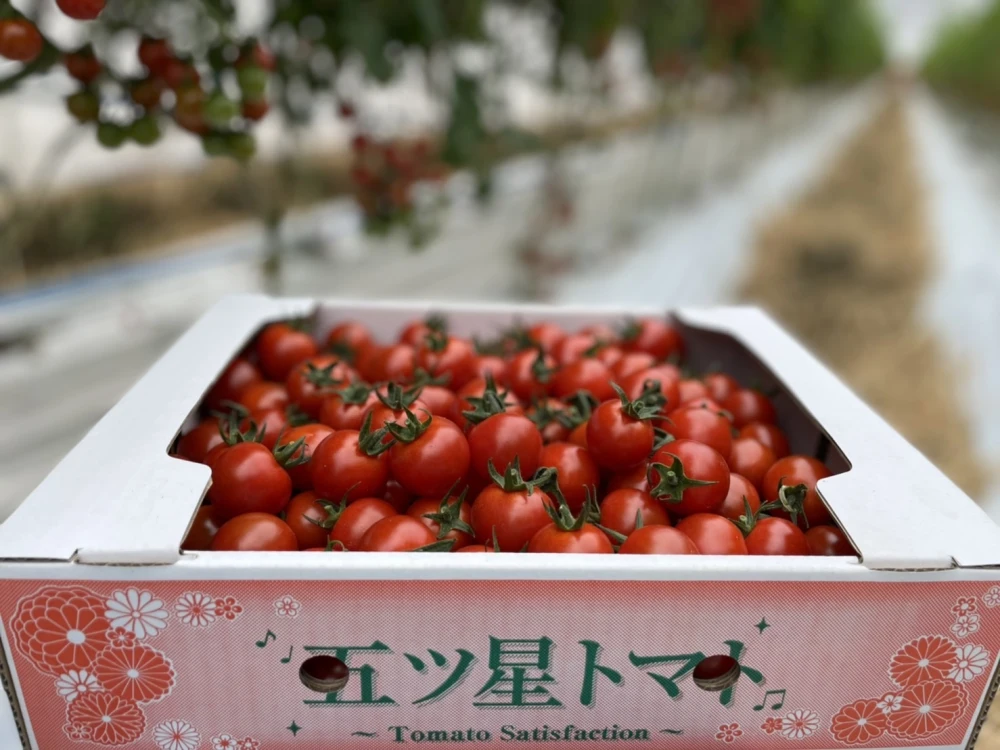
671, 482
491, 403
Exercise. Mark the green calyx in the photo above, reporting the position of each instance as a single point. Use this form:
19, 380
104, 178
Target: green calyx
355, 394
563, 517
441, 545
540, 370
790, 499
662, 437
286, 456
448, 516
229, 428
492, 402
578, 409
322, 377
436, 341
644, 408
543, 414
436, 323
396, 398
296, 417
373, 442
630, 329
333, 510
422, 378
411, 429
512, 481
671, 482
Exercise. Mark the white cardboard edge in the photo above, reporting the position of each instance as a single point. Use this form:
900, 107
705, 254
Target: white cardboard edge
124, 500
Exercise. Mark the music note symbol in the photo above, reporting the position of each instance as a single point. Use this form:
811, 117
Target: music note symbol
267, 639
778, 703
289, 657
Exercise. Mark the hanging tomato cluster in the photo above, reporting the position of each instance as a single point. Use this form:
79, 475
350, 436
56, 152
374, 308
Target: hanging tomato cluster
544, 440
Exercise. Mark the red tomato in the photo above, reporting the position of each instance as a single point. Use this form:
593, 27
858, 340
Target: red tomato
705, 403
610, 355
665, 375
576, 472
589, 375
691, 390
397, 496
751, 459
355, 520
739, 487
348, 339
246, 478
653, 336
702, 425
689, 476
416, 331
587, 540
396, 534
720, 385
214, 454
450, 515
602, 332
20, 40
429, 457
769, 435
367, 362
617, 437
657, 540
395, 363
342, 466
713, 534
574, 347
776, 536
475, 548
828, 540
631, 363
391, 409
795, 470
447, 356
544, 413
230, 385
155, 54
315, 378
579, 435
529, 374
255, 532
546, 335
488, 364
264, 395
634, 479
475, 388
622, 509
511, 514
196, 444
270, 424
280, 347
304, 517
502, 438
747, 405
82, 10
83, 65
313, 435
345, 410
439, 400
202, 531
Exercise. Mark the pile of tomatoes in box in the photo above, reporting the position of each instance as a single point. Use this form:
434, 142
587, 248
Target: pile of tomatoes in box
543, 440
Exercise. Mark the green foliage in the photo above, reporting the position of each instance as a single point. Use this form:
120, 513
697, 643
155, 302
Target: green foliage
964, 59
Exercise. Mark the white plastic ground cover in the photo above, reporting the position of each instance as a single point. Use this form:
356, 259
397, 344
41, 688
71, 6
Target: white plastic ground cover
122, 500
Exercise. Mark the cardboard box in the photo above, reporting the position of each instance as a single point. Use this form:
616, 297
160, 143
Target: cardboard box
194, 651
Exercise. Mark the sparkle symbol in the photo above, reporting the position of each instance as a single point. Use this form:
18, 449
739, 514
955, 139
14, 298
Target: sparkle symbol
762, 625
293, 728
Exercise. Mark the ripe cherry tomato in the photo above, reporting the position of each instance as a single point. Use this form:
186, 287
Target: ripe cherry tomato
264, 395
748, 405
454, 513
342, 467
631, 363
634, 479
577, 473
776, 536
794, 470
313, 435
529, 374
619, 436
653, 336
304, 516
587, 540
348, 339
502, 438
475, 388
430, 456
315, 378
546, 335
691, 390
196, 444
83, 65
666, 376
544, 413
574, 347
750, 458
720, 385
271, 423
229, 386
681, 462
601, 332
345, 410
589, 375
393, 411
416, 331
155, 54
488, 364
246, 478
828, 540
578, 436
355, 520
255, 532
658, 540
397, 496
610, 355
705, 403
708, 427
396, 534
395, 363
82, 10
202, 531
713, 534
622, 509
280, 347
20, 40
447, 356
475, 548
439, 400
769, 435
511, 513
739, 487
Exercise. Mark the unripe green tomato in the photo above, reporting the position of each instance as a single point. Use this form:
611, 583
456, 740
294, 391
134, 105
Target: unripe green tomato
84, 106
215, 144
110, 135
145, 131
253, 81
220, 110
242, 146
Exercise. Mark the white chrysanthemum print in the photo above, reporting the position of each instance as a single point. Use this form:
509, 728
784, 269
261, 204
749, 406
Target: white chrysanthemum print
965, 625
972, 662
992, 597
137, 611
287, 606
224, 742
799, 724
176, 735
196, 609
75, 683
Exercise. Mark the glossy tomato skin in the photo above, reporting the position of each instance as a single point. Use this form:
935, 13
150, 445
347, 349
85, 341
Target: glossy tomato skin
589, 375
396, 534
720, 385
768, 434
280, 347
690, 390
610, 355
617, 441
357, 518
578, 435
309, 396
349, 337
702, 463
751, 458
636, 478
246, 478
776, 536
439, 400
313, 435
455, 361
230, 384
264, 395
502, 438
666, 375
414, 333
202, 531
546, 335
515, 517
630, 363
303, 516
794, 470
420, 509
655, 337
489, 364
739, 487
573, 347
341, 469
433, 463
475, 548
577, 472
621, 509
658, 540
395, 363
713, 534
255, 532
588, 540
828, 541
196, 443
340, 414
748, 405
702, 425
527, 377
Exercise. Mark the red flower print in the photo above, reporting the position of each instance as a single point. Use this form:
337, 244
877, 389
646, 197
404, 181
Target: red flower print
728, 732
770, 726
965, 605
930, 657
928, 708
859, 722
121, 638
110, 719
60, 629
141, 674
227, 607
77, 732
248, 743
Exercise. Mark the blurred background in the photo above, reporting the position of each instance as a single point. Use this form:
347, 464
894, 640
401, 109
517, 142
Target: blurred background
837, 163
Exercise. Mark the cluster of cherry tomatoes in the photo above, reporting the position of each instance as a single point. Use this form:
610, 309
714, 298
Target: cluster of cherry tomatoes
592, 441
20, 38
